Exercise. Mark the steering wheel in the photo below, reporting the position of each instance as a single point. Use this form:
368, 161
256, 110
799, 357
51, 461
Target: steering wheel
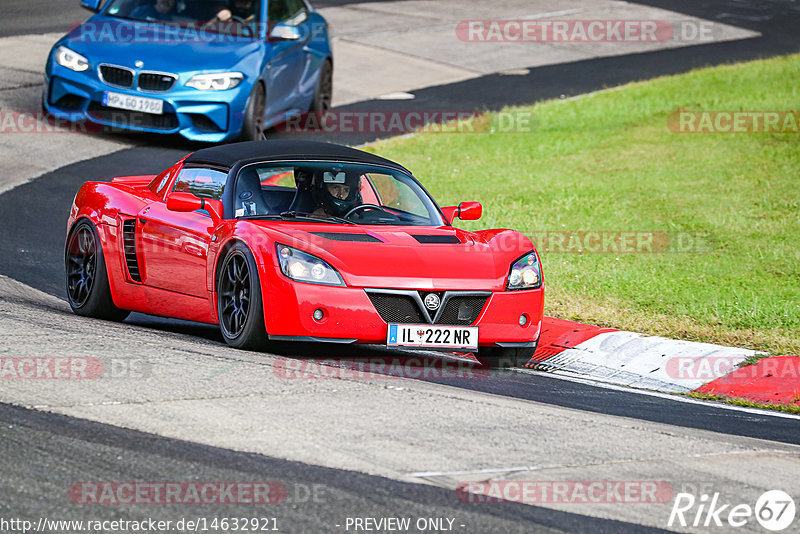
363, 207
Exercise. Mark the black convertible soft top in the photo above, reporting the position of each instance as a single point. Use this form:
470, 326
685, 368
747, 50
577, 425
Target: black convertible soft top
251, 151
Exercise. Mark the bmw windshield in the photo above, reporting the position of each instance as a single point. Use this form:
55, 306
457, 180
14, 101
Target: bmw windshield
236, 17
343, 193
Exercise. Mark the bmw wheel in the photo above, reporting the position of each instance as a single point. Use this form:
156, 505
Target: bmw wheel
323, 96
253, 124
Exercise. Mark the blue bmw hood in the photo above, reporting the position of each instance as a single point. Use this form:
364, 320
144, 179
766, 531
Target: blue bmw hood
163, 48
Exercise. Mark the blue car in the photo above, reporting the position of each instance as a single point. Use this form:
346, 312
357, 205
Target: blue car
209, 70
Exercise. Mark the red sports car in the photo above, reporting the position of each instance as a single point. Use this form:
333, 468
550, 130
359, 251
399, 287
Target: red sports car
303, 241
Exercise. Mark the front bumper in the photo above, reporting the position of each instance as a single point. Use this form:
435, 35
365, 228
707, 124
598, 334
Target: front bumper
205, 116
351, 316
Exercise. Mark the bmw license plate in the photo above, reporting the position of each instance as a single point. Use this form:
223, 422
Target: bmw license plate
432, 336
133, 103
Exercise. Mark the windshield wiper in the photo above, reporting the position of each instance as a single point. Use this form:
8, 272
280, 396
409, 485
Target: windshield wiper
323, 218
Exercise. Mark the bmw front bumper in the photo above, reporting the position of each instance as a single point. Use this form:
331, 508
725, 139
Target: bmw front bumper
205, 116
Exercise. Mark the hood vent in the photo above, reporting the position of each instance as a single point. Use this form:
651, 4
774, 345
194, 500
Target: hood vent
437, 239
337, 236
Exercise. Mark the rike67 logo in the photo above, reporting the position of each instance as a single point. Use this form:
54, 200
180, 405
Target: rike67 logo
774, 510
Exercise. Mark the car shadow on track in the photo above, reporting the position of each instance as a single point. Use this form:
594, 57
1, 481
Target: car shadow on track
369, 358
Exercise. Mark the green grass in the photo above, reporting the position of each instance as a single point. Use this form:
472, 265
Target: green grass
607, 161
738, 401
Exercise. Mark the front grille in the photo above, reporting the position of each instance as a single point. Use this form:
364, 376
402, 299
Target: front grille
397, 308
156, 81
458, 309
132, 119
461, 310
116, 76
129, 245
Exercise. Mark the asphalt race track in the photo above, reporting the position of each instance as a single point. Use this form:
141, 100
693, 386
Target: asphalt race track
43, 453
340, 494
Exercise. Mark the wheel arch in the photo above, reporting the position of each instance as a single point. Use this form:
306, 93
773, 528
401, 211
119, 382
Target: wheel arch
223, 252
219, 262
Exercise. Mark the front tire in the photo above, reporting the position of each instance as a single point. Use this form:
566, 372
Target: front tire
240, 307
323, 95
253, 124
88, 290
500, 357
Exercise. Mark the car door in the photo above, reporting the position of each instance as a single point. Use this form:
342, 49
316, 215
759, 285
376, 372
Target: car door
175, 244
288, 57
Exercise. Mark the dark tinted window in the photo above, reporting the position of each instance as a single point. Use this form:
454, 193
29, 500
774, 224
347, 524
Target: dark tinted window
286, 10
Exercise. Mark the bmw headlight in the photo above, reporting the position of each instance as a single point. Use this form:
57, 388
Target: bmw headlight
304, 267
526, 273
72, 60
215, 82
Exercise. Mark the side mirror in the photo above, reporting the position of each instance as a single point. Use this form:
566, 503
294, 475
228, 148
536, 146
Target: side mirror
466, 211
284, 32
469, 211
91, 5
184, 202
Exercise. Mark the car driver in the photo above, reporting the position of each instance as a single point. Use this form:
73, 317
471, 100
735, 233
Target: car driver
336, 193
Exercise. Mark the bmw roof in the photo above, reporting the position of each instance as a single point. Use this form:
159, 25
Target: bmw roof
251, 151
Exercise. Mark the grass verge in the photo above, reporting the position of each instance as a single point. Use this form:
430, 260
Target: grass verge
793, 408
608, 162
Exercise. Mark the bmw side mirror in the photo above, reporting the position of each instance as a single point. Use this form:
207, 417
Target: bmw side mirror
284, 32
91, 5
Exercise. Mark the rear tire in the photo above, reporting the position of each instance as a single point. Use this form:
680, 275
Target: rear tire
500, 357
240, 307
88, 290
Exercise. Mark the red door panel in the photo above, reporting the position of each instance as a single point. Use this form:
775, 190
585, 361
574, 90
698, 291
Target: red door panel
174, 247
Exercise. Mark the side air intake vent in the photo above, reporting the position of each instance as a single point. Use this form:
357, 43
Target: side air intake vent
336, 236
129, 244
437, 239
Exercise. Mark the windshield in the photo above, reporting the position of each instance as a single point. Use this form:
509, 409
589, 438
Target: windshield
237, 17
340, 193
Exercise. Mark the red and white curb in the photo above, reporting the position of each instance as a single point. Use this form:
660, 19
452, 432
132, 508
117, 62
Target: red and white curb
635, 360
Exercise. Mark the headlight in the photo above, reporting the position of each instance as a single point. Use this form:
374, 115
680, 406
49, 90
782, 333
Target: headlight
526, 273
304, 267
215, 82
72, 60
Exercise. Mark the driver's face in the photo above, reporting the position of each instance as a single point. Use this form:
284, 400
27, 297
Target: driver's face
165, 6
340, 191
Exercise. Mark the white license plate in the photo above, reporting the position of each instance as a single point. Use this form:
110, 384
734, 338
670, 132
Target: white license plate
432, 336
133, 103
